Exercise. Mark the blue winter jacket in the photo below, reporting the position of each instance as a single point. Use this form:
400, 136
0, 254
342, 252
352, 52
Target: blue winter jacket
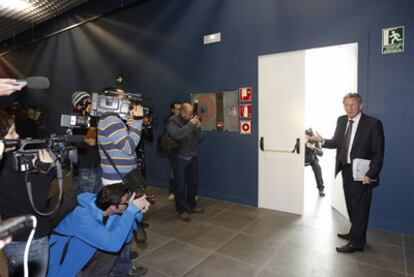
83, 232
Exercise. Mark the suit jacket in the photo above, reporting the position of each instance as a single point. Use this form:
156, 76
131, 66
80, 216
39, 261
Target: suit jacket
368, 143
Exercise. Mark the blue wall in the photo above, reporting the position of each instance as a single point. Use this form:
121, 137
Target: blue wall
158, 47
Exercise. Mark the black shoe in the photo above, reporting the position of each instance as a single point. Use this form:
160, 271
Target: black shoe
344, 236
196, 210
321, 193
348, 248
133, 255
185, 217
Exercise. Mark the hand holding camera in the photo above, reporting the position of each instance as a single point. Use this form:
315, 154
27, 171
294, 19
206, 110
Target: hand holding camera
137, 111
140, 202
42, 163
195, 120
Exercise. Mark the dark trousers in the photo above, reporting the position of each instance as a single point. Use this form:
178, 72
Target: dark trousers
171, 169
317, 171
358, 201
186, 176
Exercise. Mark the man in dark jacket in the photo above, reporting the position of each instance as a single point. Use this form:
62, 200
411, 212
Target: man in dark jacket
186, 128
357, 137
312, 151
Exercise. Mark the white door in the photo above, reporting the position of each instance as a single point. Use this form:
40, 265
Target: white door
281, 118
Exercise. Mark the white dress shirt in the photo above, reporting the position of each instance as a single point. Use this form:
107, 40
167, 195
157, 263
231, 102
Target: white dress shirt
354, 128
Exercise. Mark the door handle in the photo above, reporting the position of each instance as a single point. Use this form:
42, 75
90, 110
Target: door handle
297, 146
295, 149
262, 143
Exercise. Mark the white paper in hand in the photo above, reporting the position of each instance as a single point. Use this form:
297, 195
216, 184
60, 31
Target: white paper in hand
359, 168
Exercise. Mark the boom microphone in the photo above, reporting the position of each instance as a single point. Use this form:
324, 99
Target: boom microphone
35, 82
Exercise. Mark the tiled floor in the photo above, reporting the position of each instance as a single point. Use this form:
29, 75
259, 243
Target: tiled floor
234, 240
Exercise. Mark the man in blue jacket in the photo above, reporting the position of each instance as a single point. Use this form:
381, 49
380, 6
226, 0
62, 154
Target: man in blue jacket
99, 227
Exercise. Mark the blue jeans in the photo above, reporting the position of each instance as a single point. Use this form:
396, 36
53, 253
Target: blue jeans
88, 180
123, 263
38, 257
186, 175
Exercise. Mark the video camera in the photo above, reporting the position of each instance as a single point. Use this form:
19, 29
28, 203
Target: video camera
27, 150
109, 101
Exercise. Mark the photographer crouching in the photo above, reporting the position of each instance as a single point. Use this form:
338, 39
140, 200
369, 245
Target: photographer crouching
15, 201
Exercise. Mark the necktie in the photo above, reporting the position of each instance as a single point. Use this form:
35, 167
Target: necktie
343, 157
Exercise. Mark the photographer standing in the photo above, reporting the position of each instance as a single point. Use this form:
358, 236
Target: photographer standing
186, 128
88, 177
14, 201
119, 141
312, 151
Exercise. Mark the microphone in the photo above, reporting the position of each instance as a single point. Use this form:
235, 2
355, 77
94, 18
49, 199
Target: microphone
35, 82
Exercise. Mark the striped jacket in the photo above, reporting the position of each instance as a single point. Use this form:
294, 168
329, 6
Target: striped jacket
120, 142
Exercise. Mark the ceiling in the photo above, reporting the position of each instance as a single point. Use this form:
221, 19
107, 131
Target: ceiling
20, 15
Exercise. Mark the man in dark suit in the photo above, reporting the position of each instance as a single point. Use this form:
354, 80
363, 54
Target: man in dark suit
357, 135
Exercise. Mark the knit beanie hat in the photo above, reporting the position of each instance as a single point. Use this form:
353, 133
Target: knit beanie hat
79, 96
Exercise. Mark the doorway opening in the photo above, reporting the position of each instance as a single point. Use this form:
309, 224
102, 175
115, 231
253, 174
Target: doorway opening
298, 90
330, 73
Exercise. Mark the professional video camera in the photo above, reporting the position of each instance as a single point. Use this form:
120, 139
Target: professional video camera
27, 150
116, 102
109, 101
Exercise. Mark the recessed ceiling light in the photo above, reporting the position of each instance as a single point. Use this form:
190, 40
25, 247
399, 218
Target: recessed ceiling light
15, 4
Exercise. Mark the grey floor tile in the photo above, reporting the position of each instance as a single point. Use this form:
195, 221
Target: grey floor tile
380, 255
385, 237
154, 240
247, 210
171, 225
250, 249
220, 266
174, 258
266, 273
312, 239
287, 218
232, 221
206, 236
271, 231
409, 241
409, 255
292, 260
325, 224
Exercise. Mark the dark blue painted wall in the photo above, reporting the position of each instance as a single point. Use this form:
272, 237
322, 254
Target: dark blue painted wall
158, 47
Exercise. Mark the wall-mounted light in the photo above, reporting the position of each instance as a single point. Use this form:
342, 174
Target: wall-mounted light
212, 38
17, 5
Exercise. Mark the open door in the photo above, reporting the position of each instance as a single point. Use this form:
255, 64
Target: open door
281, 131
284, 81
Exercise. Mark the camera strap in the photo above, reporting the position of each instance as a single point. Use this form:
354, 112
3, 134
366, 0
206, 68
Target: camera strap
143, 238
113, 164
60, 183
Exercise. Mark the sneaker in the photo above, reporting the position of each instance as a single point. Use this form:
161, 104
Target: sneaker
137, 271
171, 197
185, 217
196, 210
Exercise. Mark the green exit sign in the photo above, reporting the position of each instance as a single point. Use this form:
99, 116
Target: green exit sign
393, 40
